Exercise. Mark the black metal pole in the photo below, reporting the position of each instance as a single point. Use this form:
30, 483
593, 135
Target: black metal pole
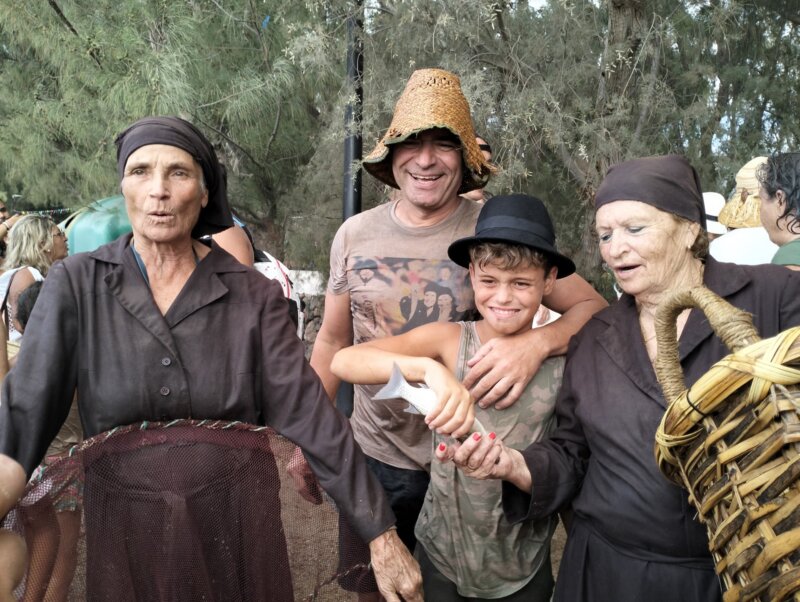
351, 200
352, 115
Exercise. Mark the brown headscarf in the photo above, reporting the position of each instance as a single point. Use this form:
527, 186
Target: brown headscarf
174, 131
667, 182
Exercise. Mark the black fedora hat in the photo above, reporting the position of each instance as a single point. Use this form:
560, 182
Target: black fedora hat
516, 219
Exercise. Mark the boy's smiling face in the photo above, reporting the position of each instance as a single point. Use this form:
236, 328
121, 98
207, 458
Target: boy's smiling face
508, 299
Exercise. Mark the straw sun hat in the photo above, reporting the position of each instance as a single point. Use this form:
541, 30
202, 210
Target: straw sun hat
432, 99
743, 208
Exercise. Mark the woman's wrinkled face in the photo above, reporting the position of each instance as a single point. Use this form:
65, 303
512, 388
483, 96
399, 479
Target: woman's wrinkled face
164, 193
645, 248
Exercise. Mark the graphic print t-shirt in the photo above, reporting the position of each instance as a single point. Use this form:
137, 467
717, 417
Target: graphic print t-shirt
398, 278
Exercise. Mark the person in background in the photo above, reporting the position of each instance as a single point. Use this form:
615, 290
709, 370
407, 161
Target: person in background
36, 243
173, 299
56, 541
780, 206
746, 242
25, 304
12, 549
480, 195
7, 221
633, 536
236, 242
714, 202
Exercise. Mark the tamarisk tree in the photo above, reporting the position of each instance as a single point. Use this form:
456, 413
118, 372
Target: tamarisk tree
561, 88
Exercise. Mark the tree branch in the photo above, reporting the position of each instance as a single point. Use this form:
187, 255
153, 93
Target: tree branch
63, 18
231, 141
261, 41
385, 7
233, 18
576, 171
274, 131
498, 8
791, 18
647, 98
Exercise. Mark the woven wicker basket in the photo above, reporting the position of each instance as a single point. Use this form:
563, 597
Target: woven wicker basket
732, 441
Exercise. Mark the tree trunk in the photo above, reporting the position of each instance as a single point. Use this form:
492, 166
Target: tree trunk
616, 95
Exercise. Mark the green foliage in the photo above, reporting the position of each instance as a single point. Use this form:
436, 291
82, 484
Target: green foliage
78, 75
562, 89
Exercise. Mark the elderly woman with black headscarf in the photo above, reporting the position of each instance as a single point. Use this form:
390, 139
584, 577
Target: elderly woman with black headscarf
633, 535
159, 326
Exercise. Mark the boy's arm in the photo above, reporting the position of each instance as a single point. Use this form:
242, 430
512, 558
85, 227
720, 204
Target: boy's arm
372, 362
503, 367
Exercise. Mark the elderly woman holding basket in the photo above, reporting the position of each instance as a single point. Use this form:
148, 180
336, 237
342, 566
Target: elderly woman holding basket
160, 326
633, 535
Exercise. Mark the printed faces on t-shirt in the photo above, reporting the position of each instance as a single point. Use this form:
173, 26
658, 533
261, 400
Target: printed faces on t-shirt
391, 295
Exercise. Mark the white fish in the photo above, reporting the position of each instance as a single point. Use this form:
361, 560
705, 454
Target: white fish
421, 399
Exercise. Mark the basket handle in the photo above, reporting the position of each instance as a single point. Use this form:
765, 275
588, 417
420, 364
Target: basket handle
734, 326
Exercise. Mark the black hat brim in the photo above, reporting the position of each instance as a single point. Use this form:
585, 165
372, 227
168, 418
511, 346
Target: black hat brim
458, 251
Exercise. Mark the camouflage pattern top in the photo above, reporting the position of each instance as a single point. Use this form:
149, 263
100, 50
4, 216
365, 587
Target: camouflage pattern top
462, 527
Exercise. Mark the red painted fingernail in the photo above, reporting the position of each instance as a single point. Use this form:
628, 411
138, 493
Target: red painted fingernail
476, 436
492, 436
442, 447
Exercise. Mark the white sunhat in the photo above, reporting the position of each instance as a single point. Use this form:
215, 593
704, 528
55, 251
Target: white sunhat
714, 202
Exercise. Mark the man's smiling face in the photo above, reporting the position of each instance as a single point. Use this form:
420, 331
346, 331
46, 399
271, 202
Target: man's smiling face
428, 168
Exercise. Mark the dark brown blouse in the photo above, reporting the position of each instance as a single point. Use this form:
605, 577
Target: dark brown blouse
226, 349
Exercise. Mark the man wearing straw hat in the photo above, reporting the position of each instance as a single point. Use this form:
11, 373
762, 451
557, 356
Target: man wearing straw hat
746, 242
431, 155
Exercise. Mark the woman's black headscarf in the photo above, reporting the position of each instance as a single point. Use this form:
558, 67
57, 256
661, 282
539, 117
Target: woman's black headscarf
668, 182
174, 131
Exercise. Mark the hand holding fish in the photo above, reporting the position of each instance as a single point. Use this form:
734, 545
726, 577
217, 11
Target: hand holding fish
446, 404
454, 412
487, 457
417, 356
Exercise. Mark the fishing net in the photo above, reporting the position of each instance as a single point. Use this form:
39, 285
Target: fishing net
186, 510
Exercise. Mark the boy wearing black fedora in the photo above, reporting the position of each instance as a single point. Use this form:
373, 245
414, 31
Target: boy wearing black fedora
467, 547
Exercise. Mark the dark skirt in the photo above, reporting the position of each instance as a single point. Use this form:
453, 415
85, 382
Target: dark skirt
594, 570
181, 515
